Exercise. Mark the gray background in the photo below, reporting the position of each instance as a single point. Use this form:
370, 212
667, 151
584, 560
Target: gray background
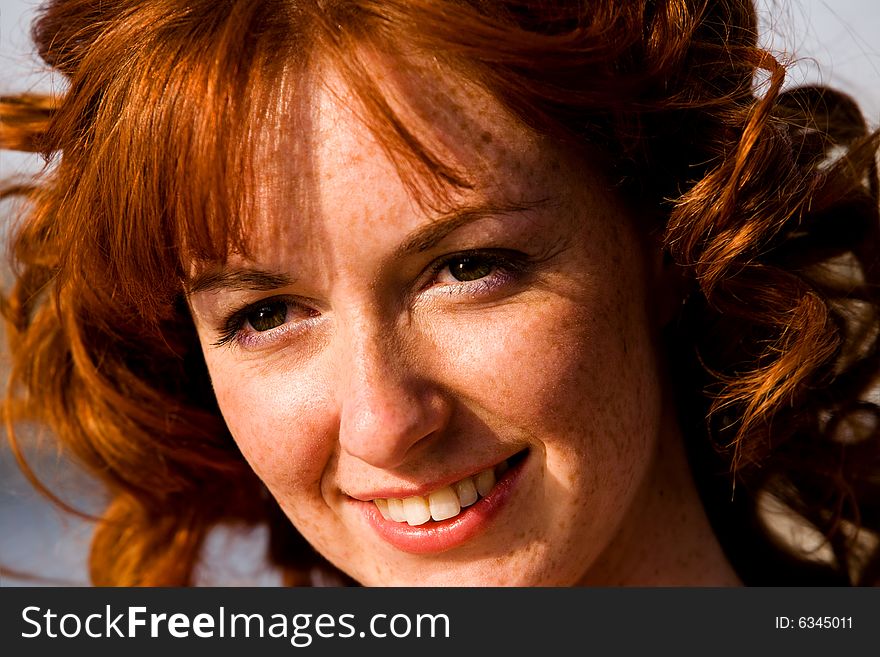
837, 43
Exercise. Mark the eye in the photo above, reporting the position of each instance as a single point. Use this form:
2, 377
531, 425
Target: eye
265, 322
478, 272
267, 316
470, 268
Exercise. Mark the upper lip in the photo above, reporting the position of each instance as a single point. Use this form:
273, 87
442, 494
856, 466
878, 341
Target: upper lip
409, 489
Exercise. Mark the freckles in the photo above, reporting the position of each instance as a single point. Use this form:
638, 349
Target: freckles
273, 435
538, 373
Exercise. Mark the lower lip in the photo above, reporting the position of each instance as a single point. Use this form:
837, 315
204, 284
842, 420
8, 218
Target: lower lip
439, 536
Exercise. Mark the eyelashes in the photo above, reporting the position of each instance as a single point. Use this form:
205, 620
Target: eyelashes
476, 271
471, 274
274, 316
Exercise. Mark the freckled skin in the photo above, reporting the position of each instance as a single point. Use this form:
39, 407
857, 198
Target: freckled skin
397, 382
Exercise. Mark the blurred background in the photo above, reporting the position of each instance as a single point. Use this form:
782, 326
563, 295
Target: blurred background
833, 42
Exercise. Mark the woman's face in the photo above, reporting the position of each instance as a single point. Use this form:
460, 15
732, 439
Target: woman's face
462, 395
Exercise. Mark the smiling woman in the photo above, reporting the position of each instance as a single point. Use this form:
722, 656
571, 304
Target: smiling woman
406, 351
452, 293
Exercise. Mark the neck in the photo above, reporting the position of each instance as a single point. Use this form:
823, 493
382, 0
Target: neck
667, 539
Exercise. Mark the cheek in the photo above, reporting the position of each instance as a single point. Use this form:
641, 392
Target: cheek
268, 412
567, 367
524, 363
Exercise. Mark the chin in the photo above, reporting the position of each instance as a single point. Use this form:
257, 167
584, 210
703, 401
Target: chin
483, 573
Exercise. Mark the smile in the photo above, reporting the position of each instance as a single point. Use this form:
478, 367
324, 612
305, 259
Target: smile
448, 516
443, 503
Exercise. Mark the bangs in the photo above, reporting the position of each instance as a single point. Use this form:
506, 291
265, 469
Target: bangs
158, 141
184, 146
181, 135
179, 159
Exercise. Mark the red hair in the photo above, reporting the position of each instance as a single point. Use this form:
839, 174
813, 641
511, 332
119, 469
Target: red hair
768, 203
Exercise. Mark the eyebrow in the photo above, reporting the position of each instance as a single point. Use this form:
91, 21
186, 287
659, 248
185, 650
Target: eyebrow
429, 236
240, 278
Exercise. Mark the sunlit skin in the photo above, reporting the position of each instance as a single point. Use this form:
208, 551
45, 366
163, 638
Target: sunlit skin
351, 357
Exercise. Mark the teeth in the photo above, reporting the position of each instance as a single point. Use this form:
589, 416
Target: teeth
416, 510
484, 481
442, 504
395, 509
467, 492
383, 508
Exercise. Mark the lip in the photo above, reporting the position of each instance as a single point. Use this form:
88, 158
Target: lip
439, 536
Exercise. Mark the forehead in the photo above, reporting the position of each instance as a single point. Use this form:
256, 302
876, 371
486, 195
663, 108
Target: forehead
446, 111
344, 147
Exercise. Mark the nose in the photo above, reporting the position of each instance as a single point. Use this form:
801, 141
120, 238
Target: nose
389, 405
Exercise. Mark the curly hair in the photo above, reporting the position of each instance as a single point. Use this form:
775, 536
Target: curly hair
766, 199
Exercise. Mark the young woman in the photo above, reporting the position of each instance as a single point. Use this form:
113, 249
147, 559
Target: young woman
452, 292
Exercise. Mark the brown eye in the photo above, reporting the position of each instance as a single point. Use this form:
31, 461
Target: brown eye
267, 316
470, 268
